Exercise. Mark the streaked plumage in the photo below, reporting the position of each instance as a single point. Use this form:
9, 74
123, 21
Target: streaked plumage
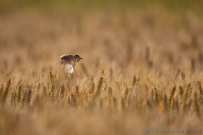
68, 62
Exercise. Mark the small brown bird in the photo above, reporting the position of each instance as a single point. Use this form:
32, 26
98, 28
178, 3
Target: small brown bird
68, 62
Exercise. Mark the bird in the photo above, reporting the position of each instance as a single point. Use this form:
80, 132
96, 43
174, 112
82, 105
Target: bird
68, 62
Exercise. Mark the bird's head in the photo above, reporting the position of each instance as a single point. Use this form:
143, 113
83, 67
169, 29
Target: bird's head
77, 58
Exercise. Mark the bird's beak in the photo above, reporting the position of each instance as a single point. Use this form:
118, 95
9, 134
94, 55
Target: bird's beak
79, 59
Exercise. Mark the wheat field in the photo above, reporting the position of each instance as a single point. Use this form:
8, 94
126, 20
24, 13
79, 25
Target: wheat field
141, 72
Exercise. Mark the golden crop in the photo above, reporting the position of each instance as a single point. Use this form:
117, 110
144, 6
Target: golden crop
141, 71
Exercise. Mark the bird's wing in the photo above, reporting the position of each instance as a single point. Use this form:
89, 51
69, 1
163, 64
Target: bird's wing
69, 68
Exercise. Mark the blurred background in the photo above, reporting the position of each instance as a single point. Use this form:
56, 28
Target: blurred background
162, 35
141, 68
